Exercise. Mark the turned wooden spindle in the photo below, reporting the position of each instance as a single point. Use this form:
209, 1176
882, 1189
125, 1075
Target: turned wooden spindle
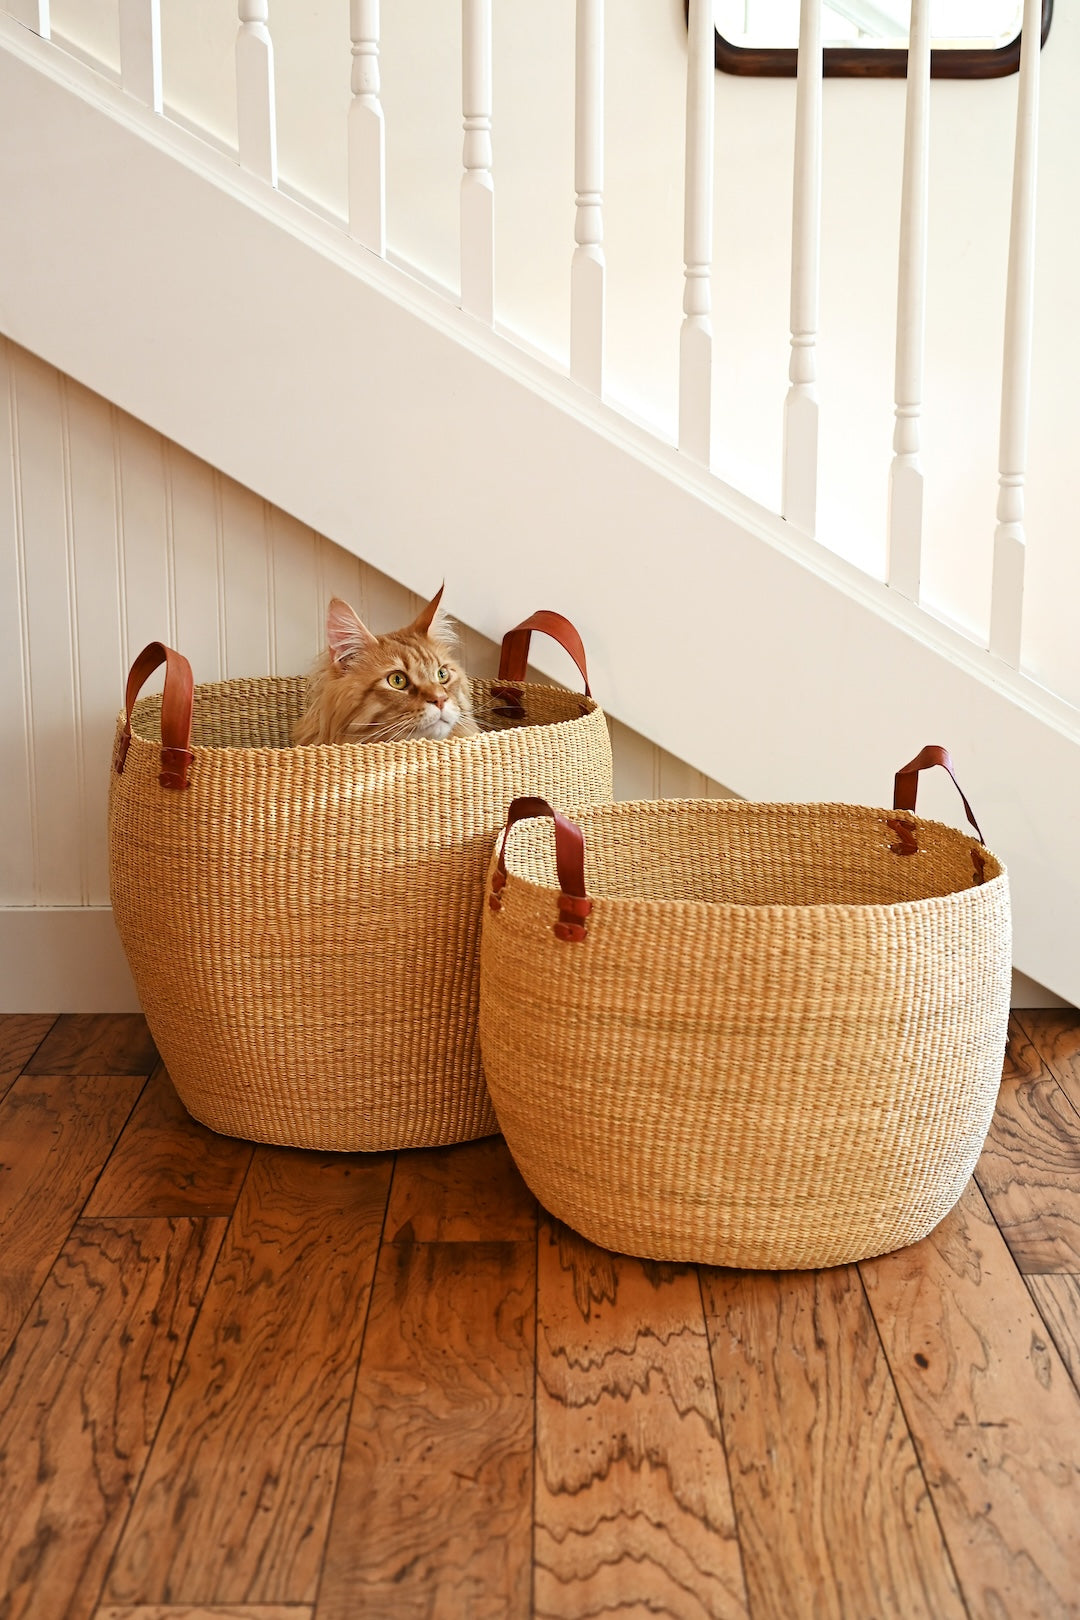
256, 122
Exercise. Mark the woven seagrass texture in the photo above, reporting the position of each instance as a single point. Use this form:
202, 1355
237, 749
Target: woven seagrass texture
779, 1044
302, 924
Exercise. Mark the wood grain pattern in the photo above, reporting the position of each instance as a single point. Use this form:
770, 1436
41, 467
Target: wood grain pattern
166, 1163
1029, 1173
96, 1044
55, 1135
237, 1493
467, 1194
202, 1611
834, 1516
433, 1509
633, 1504
80, 1398
1023, 1060
20, 1036
994, 1416
1055, 1035
1058, 1299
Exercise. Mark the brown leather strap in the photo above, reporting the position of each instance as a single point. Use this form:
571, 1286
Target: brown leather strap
514, 658
574, 903
176, 705
906, 788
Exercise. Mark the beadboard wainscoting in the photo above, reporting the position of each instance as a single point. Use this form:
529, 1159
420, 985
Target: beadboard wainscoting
112, 536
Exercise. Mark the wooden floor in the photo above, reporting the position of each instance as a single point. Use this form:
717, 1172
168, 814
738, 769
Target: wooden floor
258, 1384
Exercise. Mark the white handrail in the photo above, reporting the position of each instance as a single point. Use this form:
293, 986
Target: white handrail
367, 136
905, 472
587, 269
695, 338
140, 50
477, 184
256, 121
1007, 600
800, 456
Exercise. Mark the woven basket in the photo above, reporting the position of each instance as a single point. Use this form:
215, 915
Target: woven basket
302, 924
756, 1035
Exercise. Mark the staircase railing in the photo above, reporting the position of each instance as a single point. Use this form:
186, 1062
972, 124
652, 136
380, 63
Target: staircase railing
140, 40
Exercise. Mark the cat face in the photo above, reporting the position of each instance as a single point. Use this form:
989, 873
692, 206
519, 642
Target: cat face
390, 688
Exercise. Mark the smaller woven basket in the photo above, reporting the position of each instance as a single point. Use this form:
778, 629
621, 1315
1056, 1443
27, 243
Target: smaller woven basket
755, 1035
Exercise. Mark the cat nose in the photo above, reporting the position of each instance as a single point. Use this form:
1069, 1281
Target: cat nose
439, 699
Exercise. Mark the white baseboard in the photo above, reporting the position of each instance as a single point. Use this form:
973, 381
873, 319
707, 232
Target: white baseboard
1028, 993
68, 959
56, 959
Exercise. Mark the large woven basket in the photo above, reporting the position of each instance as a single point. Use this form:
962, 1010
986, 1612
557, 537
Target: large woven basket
756, 1035
302, 924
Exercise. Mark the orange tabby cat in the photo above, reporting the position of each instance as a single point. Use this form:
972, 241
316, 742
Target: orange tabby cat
369, 688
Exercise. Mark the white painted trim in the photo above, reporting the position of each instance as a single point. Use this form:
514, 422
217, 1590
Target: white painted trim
1027, 993
62, 959
413, 295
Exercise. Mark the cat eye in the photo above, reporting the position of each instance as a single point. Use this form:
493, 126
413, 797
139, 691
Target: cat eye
443, 675
398, 680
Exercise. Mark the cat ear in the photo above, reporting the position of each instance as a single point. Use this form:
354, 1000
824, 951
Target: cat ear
345, 634
426, 617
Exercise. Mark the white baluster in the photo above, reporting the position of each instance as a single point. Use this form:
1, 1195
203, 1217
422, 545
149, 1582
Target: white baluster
905, 473
1007, 602
367, 142
255, 117
477, 186
800, 457
587, 269
35, 14
695, 339
140, 50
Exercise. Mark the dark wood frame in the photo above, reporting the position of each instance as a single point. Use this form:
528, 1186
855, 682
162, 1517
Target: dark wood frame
848, 61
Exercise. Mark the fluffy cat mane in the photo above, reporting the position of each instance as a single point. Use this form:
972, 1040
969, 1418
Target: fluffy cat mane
395, 687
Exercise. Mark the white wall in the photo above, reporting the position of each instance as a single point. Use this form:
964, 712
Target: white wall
110, 537
972, 134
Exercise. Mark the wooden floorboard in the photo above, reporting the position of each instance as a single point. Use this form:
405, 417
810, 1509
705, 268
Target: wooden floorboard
1029, 1171
434, 1503
236, 1498
202, 1611
256, 1384
96, 1044
993, 1412
20, 1036
56, 1132
80, 1398
834, 1516
1058, 1299
633, 1503
462, 1194
441, 1433
1056, 1037
165, 1163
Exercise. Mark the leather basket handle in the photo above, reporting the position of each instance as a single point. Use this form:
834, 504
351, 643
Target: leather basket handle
176, 705
905, 794
514, 657
574, 903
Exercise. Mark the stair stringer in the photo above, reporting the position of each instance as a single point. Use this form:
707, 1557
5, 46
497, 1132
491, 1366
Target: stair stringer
244, 327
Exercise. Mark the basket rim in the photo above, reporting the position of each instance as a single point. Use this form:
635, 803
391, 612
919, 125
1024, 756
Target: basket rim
404, 748
824, 909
